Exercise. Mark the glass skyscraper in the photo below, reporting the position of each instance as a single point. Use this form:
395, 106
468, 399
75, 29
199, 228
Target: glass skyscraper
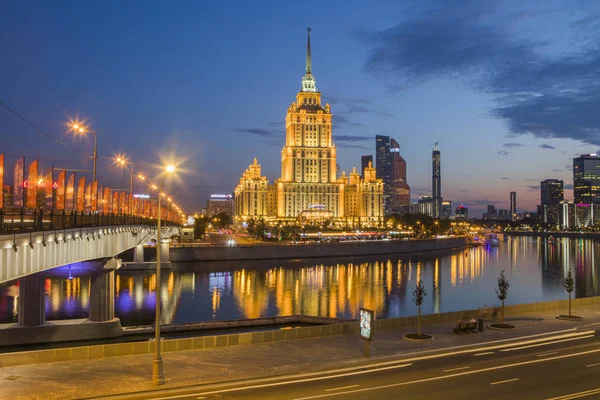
586, 179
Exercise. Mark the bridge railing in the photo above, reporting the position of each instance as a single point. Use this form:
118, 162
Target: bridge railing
23, 220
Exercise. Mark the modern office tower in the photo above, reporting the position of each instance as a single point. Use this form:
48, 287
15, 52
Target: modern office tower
436, 180
461, 213
551, 191
492, 213
309, 191
446, 209
513, 206
586, 179
219, 203
426, 205
383, 166
364, 163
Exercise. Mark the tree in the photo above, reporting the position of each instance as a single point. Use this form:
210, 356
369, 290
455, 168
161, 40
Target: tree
418, 295
199, 227
569, 285
502, 291
222, 220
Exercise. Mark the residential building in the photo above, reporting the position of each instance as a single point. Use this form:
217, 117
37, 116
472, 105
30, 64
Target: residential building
218, 203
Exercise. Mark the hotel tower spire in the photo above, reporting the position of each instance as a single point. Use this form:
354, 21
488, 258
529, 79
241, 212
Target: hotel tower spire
308, 80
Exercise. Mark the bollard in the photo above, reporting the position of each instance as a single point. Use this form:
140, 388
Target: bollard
480, 324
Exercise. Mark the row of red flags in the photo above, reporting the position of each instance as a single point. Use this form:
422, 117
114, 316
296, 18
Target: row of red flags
36, 190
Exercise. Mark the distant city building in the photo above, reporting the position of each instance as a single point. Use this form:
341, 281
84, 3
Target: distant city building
513, 206
491, 214
426, 205
364, 163
436, 181
461, 213
393, 174
503, 215
337, 171
586, 179
219, 203
551, 191
414, 207
447, 209
309, 190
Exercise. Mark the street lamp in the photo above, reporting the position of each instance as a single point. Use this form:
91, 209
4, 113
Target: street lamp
80, 129
122, 161
158, 376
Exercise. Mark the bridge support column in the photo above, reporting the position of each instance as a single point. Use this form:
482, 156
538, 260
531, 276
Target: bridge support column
102, 295
32, 301
164, 252
138, 254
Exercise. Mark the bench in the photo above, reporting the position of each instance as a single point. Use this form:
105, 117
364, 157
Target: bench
466, 326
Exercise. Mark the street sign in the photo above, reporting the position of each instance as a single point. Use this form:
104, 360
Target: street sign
367, 324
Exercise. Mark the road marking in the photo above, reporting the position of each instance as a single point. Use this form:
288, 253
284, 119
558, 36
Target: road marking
576, 395
506, 381
547, 343
592, 365
456, 369
547, 354
341, 388
483, 354
437, 378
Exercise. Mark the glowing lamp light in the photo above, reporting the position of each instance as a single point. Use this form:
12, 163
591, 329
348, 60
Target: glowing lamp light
170, 168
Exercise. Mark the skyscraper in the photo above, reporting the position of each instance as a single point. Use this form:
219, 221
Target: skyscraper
436, 180
586, 179
446, 209
383, 166
401, 195
309, 190
551, 191
513, 206
364, 163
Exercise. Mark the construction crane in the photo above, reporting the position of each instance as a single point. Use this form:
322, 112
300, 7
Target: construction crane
435, 145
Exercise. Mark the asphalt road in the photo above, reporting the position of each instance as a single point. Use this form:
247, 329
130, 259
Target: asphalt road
559, 368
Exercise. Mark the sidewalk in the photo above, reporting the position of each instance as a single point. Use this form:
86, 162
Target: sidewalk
100, 377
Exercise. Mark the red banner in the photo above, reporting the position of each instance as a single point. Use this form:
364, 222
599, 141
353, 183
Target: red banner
106, 201
19, 176
70, 193
31, 184
48, 188
115, 203
88, 198
80, 194
60, 191
95, 196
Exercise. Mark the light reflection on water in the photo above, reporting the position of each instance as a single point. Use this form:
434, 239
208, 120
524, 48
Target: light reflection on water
332, 287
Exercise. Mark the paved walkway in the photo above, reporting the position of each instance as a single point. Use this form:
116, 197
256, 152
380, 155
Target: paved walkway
80, 379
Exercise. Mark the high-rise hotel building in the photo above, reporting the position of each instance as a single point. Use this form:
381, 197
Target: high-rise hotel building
308, 190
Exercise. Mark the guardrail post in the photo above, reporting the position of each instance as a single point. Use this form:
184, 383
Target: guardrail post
51, 219
21, 215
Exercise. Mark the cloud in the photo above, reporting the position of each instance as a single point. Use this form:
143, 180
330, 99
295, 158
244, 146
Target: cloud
547, 146
512, 145
568, 166
533, 187
503, 178
541, 85
503, 152
340, 120
351, 138
256, 131
483, 202
352, 146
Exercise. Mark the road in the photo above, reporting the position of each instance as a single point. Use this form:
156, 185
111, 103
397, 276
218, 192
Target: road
561, 367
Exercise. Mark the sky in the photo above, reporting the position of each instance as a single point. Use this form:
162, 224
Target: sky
510, 89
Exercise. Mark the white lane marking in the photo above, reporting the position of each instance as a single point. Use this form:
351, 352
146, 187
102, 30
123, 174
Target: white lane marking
547, 354
319, 378
201, 397
437, 378
592, 365
456, 369
576, 395
483, 354
342, 388
547, 343
506, 381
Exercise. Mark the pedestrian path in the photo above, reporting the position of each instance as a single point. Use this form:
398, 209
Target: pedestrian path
101, 377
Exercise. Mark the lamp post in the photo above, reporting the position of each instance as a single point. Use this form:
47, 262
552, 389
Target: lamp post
78, 128
158, 376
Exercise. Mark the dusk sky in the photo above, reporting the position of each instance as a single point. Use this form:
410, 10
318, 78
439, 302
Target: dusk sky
511, 88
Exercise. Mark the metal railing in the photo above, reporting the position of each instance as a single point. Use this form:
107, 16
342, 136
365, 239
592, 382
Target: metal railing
23, 220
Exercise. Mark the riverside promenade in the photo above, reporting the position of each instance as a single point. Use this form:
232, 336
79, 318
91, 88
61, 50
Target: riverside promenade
131, 374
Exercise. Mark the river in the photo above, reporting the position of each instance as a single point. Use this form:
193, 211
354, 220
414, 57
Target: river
336, 288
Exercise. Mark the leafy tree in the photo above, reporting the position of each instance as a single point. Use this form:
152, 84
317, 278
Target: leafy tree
199, 227
221, 220
502, 291
418, 295
569, 285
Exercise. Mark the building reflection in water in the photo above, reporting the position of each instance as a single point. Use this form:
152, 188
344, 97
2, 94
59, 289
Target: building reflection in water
332, 288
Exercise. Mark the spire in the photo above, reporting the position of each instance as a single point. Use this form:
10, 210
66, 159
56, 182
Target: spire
308, 57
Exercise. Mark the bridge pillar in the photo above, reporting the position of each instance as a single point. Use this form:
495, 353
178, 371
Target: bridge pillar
102, 295
138, 253
32, 301
164, 252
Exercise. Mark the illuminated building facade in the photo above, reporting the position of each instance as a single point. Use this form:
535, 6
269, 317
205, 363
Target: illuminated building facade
426, 205
461, 213
219, 203
391, 168
586, 179
513, 206
446, 209
436, 181
309, 190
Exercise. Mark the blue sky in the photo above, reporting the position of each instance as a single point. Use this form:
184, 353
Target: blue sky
510, 88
